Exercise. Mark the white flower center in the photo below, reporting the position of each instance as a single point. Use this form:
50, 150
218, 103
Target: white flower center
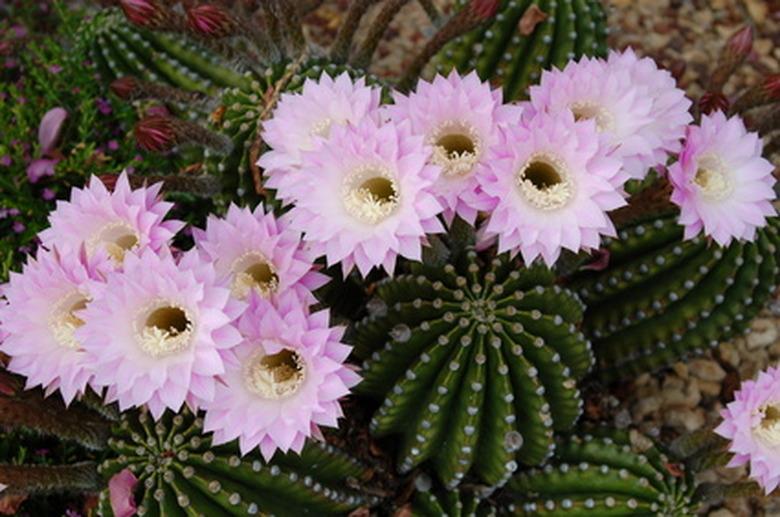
371, 194
164, 329
457, 147
321, 128
116, 238
275, 376
63, 322
712, 178
768, 431
252, 271
586, 110
545, 182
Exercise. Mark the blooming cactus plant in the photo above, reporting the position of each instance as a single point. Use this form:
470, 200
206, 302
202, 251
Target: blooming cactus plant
500, 254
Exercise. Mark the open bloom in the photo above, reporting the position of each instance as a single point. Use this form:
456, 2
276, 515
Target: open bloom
721, 183
301, 121
257, 253
286, 380
670, 112
752, 423
42, 314
365, 196
157, 334
553, 182
118, 221
636, 106
459, 118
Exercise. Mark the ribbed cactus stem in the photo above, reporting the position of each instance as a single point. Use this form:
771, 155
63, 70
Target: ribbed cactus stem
465, 20
29, 410
375, 33
339, 52
767, 122
44, 479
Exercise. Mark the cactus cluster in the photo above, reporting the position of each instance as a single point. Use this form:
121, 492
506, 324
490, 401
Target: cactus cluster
606, 473
662, 298
182, 474
477, 362
527, 37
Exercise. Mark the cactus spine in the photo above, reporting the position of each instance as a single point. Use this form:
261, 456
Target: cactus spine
662, 298
477, 362
182, 474
502, 53
608, 473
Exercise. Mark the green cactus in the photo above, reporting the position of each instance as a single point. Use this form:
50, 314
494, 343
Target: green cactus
181, 473
477, 361
500, 53
428, 502
662, 298
119, 48
608, 473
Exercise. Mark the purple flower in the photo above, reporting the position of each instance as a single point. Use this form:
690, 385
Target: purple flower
19, 227
13, 212
6, 161
120, 489
48, 194
113, 145
104, 106
19, 30
55, 69
40, 168
50, 129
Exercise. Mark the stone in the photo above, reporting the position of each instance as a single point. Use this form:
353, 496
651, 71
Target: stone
721, 512
709, 388
728, 352
707, 370
764, 334
684, 418
646, 406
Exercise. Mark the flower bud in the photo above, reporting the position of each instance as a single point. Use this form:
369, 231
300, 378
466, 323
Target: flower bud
144, 13
156, 134
740, 44
211, 21
484, 9
711, 102
125, 87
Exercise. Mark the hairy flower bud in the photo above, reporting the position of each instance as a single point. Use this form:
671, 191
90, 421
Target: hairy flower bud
713, 101
484, 9
211, 21
737, 49
125, 87
144, 13
156, 134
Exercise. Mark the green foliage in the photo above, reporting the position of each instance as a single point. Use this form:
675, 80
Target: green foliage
477, 362
499, 52
52, 73
181, 473
606, 473
662, 299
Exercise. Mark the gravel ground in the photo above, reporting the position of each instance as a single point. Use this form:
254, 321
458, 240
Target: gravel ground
686, 37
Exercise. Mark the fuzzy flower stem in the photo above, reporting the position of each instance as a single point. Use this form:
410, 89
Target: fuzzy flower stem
44, 479
432, 11
274, 28
289, 19
357, 9
160, 134
766, 92
29, 410
470, 17
766, 122
375, 33
654, 199
131, 88
201, 185
733, 55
